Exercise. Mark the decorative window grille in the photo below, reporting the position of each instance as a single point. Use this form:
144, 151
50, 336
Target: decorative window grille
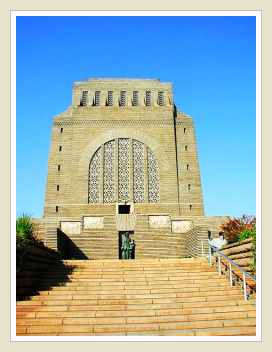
84, 97
161, 98
109, 172
118, 172
110, 98
135, 98
123, 168
94, 177
97, 95
138, 171
148, 98
123, 98
153, 177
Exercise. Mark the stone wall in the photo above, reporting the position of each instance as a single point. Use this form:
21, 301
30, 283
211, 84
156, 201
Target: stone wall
158, 234
241, 253
81, 130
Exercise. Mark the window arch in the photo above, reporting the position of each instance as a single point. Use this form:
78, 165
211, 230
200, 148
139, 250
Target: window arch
123, 169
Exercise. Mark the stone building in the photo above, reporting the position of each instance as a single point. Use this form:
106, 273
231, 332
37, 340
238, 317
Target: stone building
123, 158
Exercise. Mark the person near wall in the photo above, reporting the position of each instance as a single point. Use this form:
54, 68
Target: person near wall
219, 242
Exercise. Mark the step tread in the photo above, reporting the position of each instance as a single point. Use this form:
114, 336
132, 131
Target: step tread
141, 297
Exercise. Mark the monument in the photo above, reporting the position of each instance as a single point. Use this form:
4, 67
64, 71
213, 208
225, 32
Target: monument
123, 159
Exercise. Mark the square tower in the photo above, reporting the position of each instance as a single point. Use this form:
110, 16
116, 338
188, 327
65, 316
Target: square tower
121, 142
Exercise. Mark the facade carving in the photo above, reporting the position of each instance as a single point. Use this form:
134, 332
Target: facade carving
123, 168
153, 177
94, 177
109, 172
116, 123
138, 171
124, 162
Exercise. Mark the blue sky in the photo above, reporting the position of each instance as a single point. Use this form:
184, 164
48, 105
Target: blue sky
210, 60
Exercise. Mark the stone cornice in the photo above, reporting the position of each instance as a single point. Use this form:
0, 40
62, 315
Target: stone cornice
117, 123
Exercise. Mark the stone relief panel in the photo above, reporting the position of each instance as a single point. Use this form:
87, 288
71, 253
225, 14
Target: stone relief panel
95, 177
123, 168
159, 221
70, 227
181, 226
93, 222
153, 177
109, 172
138, 171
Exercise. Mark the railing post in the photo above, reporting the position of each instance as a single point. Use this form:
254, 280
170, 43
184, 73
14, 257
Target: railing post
244, 286
210, 255
230, 274
219, 264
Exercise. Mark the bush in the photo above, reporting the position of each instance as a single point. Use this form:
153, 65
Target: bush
239, 229
24, 227
25, 234
234, 227
248, 233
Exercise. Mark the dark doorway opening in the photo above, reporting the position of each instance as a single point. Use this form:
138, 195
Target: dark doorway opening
126, 236
124, 209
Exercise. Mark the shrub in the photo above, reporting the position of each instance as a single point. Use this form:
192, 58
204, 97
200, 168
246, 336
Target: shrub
239, 229
25, 232
247, 233
236, 226
24, 227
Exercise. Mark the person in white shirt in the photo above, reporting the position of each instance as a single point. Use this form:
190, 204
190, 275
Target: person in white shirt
219, 242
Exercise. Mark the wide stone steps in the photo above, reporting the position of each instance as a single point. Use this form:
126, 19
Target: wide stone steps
137, 297
103, 244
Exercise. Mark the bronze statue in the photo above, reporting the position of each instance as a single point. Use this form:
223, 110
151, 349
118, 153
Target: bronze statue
131, 248
125, 246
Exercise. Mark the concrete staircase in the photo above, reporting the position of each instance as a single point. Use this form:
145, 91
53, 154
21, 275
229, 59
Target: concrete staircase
137, 297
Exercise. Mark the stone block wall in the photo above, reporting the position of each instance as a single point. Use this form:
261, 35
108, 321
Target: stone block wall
79, 131
156, 235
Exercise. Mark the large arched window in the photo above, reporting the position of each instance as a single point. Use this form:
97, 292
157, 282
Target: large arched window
123, 169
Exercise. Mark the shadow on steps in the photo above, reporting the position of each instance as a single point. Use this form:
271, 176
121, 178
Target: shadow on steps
39, 269
68, 249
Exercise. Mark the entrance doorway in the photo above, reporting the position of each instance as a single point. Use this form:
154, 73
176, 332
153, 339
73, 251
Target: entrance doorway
126, 245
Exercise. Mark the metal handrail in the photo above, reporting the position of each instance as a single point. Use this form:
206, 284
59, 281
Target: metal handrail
231, 263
